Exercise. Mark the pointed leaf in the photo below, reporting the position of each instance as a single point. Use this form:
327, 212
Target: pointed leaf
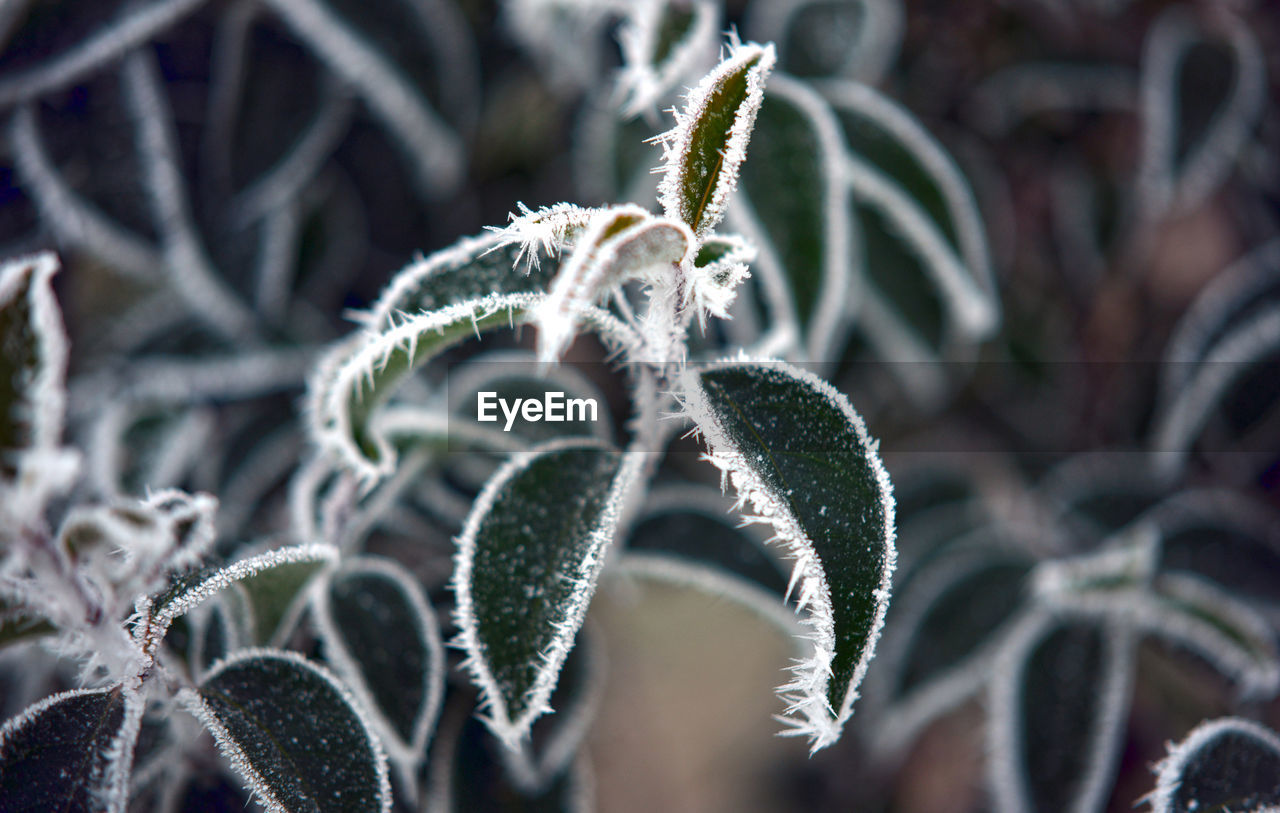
1058, 701
1226, 764
706, 148
293, 733
382, 638
71, 751
795, 448
526, 567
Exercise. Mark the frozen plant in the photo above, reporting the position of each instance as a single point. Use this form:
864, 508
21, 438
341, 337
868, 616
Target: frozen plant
113, 584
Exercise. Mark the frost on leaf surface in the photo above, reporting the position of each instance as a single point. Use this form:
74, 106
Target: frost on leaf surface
794, 448
703, 153
53, 756
527, 564
294, 734
1226, 764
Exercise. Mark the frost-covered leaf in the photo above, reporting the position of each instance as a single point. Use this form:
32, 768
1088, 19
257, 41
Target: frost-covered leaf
663, 43
383, 639
795, 212
32, 368
703, 153
1188, 149
526, 567
1224, 764
137, 545
293, 733
617, 245
268, 596
71, 751
467, 293
794, 447
476, 266
854, 38
1058, 703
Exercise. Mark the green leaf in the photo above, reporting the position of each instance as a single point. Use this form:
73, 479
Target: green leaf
1059, 701
1225, 764
469, 269
703, 153
71, 751
528, 560
382, 638
293, 733
794, 447
32, 364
